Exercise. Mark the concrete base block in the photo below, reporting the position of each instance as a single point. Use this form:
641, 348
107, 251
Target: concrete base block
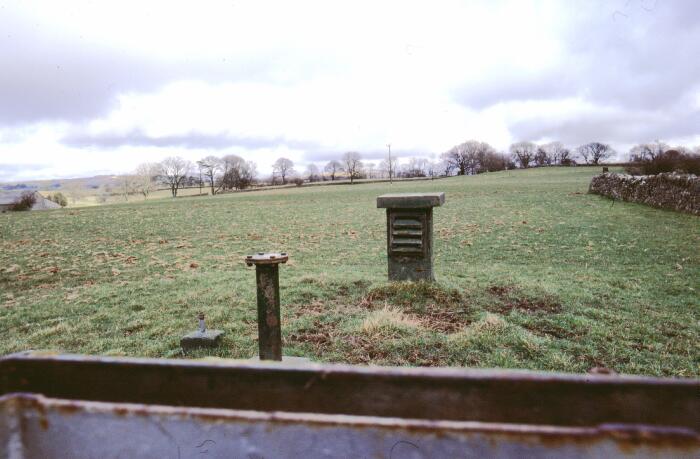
197, 339
285, 359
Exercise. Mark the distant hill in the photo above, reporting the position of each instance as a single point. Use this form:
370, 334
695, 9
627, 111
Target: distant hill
87, 183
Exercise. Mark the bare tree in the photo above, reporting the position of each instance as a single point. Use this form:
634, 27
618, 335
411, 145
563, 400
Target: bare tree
312, 173
416, 167
173, 172
445, 167
146, 175
210, 167
492, 161
352, 165
225, 178
282, 168
595, 152
648, 151
542, 157
556, 153
128, 184
389, 166
465, 157
432, 169
523, 153
332, 168
236, 173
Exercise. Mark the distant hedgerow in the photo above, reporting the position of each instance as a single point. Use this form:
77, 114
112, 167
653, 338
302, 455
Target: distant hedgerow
668, 161
59, 199
24, 202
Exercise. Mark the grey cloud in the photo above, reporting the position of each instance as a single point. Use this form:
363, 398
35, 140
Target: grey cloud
192, 140
8, 171
619, 127
638, 55
49, 78
7, 168
540, 87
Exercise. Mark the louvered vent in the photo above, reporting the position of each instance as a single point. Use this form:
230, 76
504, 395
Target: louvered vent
407, 234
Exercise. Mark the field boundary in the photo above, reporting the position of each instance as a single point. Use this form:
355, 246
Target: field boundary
680, 192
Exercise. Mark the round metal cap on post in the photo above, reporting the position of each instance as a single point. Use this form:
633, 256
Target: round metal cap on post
268, 293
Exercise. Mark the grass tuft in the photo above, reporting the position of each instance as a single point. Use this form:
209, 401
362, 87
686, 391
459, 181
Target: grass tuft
414, 294
388, 322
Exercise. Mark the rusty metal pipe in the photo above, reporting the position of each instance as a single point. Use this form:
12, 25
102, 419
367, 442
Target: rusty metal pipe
268, 293
269, 329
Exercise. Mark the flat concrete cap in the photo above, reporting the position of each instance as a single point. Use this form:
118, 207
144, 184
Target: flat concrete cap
197, 339
410, 200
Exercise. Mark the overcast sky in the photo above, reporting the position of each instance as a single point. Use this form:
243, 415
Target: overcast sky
98, 87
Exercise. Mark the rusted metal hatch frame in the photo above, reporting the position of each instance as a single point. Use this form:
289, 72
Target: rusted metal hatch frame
53, 401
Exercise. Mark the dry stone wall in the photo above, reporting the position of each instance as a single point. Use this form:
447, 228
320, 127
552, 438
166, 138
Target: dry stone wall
679, 192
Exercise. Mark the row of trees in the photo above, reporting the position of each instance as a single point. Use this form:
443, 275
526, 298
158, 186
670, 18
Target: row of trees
231, 172
349, 166
475, 157
656, 157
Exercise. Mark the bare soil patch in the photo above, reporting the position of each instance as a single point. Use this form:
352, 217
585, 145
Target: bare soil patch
509, 301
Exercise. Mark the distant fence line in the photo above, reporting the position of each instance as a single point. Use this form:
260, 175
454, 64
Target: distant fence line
307, 184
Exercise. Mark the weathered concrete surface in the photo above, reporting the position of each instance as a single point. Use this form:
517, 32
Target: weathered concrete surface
410, 200
198, 339
680, 192
410, 244
409, 234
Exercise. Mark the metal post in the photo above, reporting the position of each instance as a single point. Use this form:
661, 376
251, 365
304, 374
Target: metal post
391, 166
202, 326
268, 292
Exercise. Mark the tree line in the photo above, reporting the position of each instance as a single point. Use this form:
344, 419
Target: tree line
475, 157
232, 172
229, 172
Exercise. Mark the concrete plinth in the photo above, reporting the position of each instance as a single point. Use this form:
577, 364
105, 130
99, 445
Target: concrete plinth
198, 339
410, 234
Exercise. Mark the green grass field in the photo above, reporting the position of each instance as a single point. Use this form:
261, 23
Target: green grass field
532, 272
87, 197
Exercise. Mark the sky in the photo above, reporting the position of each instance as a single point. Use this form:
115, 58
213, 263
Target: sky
96, 87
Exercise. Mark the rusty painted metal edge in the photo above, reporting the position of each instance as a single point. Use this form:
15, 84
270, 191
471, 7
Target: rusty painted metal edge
448, 394
632, 434
476, 374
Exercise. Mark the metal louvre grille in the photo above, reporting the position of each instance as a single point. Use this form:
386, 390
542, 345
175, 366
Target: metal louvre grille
407, 233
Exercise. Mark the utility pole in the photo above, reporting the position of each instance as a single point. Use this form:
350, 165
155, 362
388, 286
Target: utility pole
391, 166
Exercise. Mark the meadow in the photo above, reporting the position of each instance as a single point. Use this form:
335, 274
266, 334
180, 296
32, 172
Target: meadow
532, 272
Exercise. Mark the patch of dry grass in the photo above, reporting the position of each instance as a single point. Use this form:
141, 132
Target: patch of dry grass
388, 322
